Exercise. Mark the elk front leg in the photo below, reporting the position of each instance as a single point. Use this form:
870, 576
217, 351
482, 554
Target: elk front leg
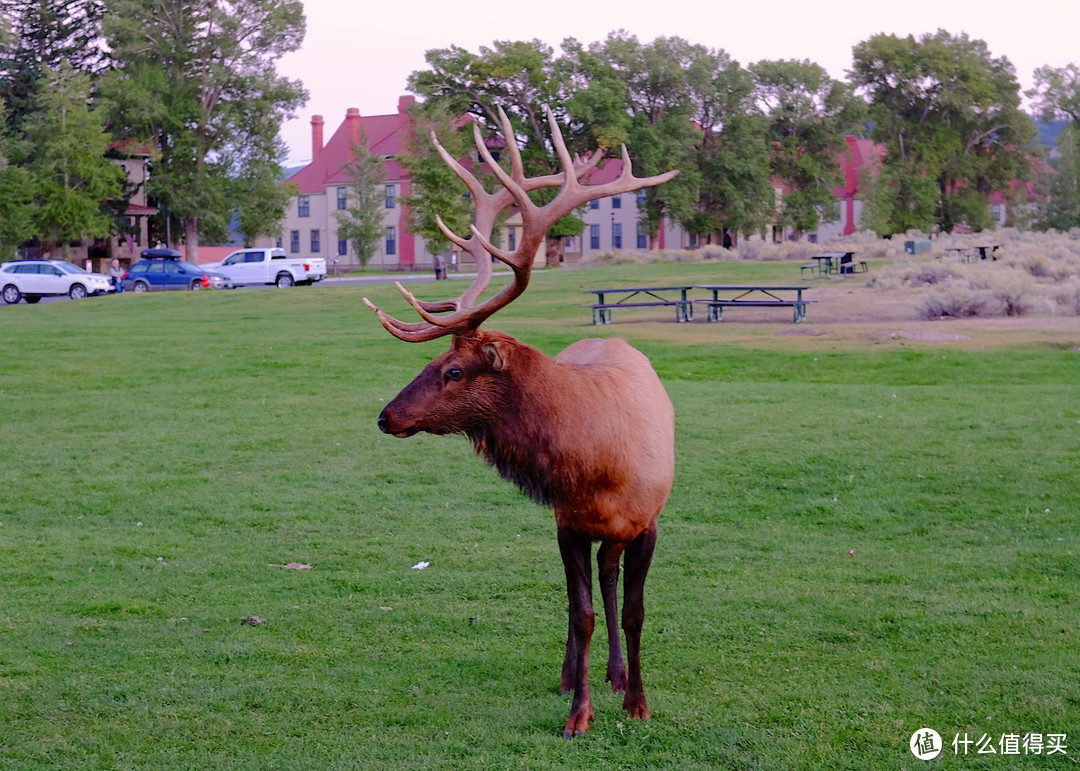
638, 558
607, 560
576, 552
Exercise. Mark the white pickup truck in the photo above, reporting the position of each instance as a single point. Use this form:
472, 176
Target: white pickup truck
269, 266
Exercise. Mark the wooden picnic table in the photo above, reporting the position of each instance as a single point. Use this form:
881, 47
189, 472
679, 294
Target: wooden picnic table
754, 296
641, 297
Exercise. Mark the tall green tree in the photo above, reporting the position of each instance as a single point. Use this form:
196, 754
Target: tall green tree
1057, 96
16, 198
639, 94
45, 34
732, 155
521, 77
198, 79
362, 220
435, 189
948, 111
678, 105
72, 180
809, 114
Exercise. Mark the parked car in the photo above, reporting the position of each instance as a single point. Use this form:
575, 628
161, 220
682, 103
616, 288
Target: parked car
269, 266
31, 280
166, 269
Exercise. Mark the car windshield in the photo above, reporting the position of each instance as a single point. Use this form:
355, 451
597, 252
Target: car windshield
69, 268
187, 267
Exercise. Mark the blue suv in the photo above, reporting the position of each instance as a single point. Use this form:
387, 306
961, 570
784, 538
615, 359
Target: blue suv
166, 269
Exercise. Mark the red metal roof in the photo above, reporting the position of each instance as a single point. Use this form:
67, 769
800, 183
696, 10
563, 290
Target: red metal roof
384, 135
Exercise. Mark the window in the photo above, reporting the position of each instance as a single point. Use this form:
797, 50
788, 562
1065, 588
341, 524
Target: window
280, 243
342, 247
315, 240
616, 201
391, 240
642, 239
389, 196
342, 198
616, 235
294, 241
594, 236
594, 204
303, 206
511, 239
641, 195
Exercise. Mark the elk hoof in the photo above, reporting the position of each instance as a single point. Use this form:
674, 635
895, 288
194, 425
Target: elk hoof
617, 677
578, 723
636, 708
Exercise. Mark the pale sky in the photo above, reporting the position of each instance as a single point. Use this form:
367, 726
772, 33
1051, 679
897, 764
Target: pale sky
361, 54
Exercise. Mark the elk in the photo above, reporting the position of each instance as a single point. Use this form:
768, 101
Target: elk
589, 433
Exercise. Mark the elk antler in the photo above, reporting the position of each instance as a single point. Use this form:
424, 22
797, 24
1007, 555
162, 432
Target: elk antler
463, 314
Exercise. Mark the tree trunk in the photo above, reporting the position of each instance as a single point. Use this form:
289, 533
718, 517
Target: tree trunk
191, 239
553, 256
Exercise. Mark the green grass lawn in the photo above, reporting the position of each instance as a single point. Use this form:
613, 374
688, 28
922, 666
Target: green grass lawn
860, 543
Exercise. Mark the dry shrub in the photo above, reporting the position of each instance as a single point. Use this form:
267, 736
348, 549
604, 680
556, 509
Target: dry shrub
908, 274
1066, 297
955, 298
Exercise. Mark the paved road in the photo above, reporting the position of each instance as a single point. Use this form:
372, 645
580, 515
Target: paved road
380, 278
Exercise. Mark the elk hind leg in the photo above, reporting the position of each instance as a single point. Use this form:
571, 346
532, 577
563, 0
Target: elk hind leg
607, 560
638, 558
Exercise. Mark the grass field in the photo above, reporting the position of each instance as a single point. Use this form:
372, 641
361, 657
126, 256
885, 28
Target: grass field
862, 542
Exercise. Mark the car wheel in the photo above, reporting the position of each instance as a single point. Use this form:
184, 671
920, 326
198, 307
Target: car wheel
284, 281
140, 286
196, 284
12, 294
77, 292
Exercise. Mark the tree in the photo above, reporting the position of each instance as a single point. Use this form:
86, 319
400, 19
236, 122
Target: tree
198, 80
809, 114
1057, 95
435, 190
72, 179
45, 34
16, 200
362, 220
678, 105
948, 113
626, 92
521, 77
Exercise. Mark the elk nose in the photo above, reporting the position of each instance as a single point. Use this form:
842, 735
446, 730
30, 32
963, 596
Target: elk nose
383, 420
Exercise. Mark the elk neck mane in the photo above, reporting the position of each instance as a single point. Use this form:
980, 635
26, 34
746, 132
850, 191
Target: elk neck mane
542, 431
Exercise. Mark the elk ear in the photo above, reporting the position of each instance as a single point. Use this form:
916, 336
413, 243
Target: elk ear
496, 355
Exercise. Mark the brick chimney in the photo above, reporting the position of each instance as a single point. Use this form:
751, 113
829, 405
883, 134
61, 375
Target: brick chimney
404, 102
352, 122
316, 135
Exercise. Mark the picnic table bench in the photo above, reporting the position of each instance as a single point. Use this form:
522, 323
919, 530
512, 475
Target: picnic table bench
642, 297
833, 262
754, 296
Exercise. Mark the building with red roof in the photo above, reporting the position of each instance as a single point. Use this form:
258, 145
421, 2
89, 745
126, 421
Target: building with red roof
310, 228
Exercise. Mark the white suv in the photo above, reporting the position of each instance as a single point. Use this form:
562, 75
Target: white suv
33, 279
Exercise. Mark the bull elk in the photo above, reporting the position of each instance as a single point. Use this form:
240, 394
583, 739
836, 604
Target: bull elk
589, 433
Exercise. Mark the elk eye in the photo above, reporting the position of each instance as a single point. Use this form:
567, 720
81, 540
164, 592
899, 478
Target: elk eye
454, 373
